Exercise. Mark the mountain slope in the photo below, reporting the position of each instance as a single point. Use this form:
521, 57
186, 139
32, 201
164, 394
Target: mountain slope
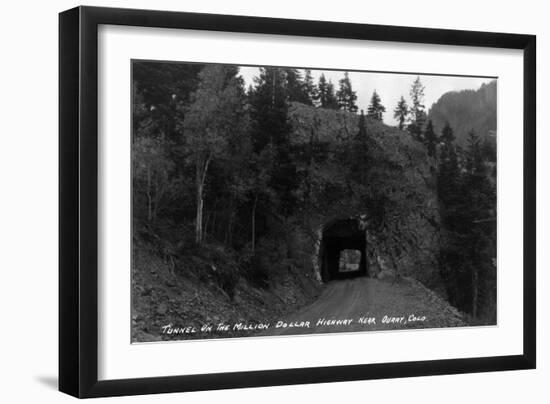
467, 110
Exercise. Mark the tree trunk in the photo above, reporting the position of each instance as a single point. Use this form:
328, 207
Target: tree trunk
206, 222
202, 169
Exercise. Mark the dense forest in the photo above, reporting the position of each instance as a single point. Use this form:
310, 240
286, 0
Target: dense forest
232, 186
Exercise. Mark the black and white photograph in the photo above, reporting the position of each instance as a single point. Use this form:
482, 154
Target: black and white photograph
274, 201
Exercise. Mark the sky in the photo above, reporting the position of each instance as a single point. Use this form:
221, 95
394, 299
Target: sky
390, 86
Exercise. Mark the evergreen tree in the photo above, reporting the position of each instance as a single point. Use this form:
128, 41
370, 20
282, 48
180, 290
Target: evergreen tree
269, 108
362, 132
449, 172
417, 97
249, 90
468, 200
401, 113
271, 127
331, 99
449, 192
376, 109
474, 162
479, 237
431, 139
164, 87
310, 89
295, 86
322, 87
326, 97
417, 110
488, 149
447, 134
346, 96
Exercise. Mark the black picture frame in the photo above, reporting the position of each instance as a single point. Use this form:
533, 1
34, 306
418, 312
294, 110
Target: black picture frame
78, 201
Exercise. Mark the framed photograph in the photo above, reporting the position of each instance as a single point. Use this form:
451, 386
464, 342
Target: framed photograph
251, 201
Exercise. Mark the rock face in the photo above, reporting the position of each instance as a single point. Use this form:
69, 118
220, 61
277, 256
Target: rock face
467, 110
394, 202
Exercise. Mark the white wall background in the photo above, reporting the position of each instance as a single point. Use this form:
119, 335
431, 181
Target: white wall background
28, 199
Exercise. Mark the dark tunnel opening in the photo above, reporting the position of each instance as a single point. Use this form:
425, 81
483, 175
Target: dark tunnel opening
343, 251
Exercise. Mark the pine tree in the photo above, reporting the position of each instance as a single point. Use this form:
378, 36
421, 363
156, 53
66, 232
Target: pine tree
401, 113
473, 158
468, 199
430, 137
269, 108
450, 196
310, 89
271, 128
376, 109
417, 112
447, 134
326, 97
322, 88
479, 234
362, 132
332, 101
346, 96
417, 97
295, 86
449, 172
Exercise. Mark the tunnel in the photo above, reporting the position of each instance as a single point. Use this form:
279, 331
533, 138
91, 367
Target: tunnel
342, 253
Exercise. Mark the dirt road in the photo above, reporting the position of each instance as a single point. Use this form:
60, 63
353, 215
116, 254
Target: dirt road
363, 304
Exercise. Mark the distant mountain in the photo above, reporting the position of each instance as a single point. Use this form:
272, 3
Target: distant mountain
467, 110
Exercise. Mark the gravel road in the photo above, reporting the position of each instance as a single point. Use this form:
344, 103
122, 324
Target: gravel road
363, 304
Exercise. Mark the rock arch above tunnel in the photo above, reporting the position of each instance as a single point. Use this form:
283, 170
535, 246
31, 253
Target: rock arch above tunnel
342, 252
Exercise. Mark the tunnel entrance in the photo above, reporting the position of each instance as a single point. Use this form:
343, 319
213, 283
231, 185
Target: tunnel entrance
342, 252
